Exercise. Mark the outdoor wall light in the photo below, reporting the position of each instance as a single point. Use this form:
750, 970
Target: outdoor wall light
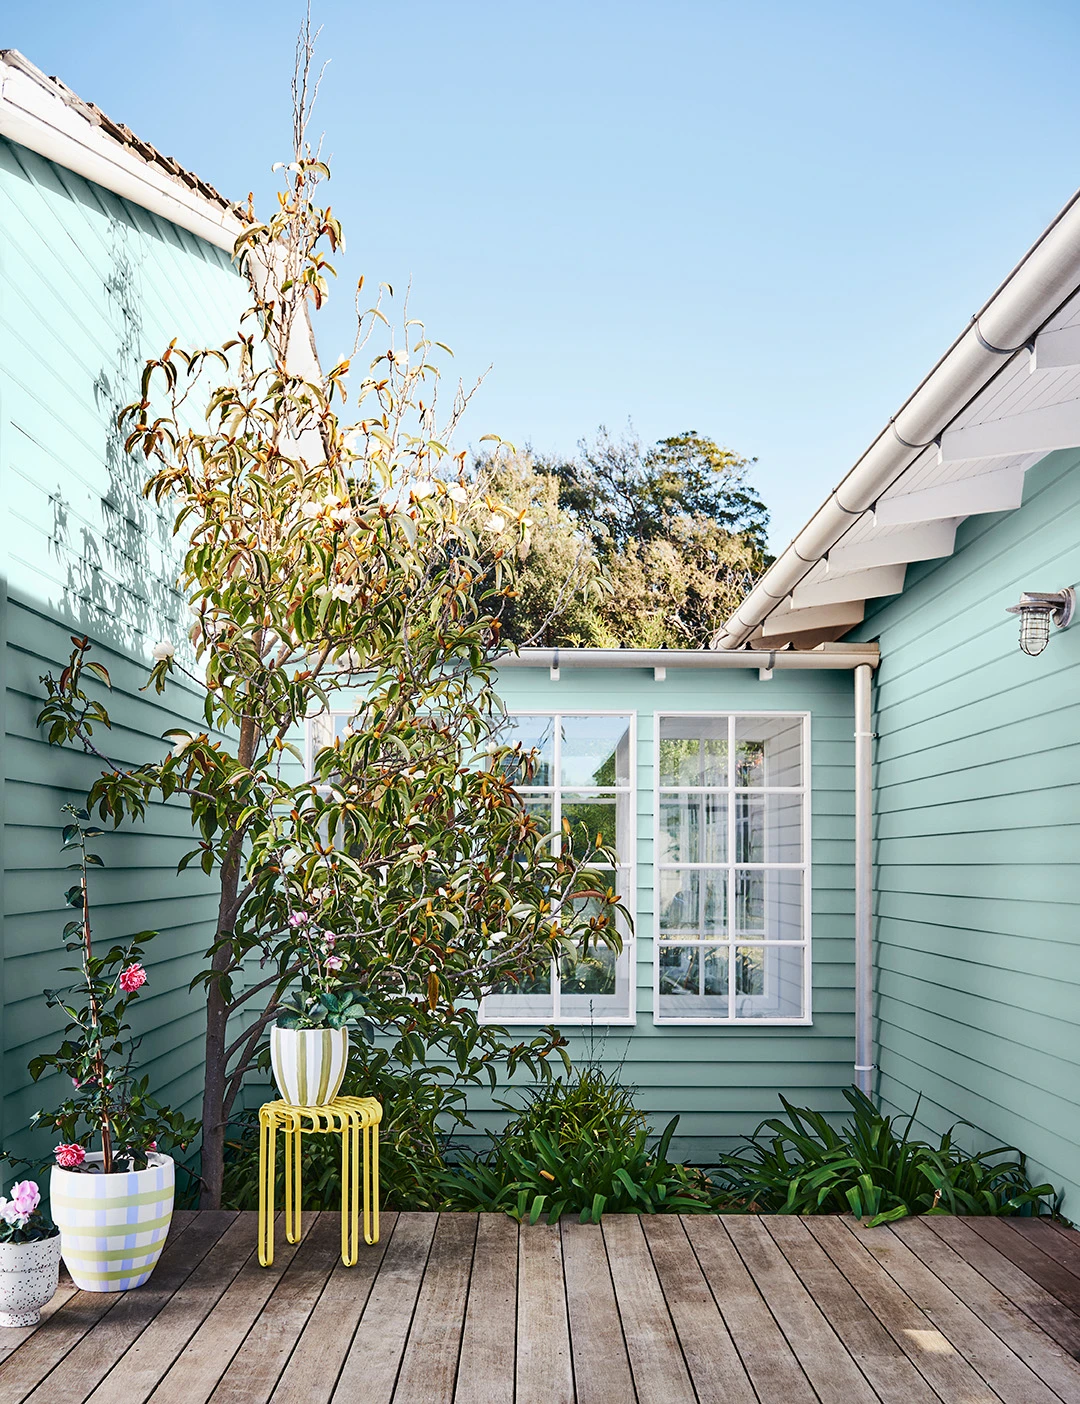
1036, 611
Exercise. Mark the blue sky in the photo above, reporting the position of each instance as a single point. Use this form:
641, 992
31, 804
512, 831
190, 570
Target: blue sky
760, 221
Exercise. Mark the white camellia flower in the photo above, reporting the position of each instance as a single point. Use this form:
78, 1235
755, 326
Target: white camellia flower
181, 745
310, 509
400, 360
163, 649
457, 493
423, 489
495, 523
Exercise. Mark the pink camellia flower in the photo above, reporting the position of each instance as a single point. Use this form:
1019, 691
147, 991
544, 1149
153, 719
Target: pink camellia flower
333, 962
298, 918
69, 1157
152, 1146
329, 940
133, 978
26, 1197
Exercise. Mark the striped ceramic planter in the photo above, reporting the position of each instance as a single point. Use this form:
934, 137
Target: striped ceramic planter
112, 1227
309, 1064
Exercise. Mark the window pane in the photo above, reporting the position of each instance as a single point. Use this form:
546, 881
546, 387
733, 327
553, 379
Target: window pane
329, 727
534, 734
693, 829
693, 902
593, 815
595, 751
693, 751
528, 997
768, 982
768, 828
768, 751
768, 904
693, 982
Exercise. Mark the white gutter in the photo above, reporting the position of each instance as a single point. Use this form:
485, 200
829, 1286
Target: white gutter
864, 878
827, 656
39, 114
1047, 275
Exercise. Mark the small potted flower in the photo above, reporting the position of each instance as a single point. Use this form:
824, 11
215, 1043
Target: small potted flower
29, 1256
309, 1042
111, 1205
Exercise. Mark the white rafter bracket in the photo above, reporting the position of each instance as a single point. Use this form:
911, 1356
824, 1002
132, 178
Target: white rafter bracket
1032, 431
659, 674
856, 585
918, 543
1000, 490
784, 621
1054, 349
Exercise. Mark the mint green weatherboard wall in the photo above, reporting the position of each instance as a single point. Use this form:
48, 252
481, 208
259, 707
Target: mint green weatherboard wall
89, 287
723, 1080
977, 829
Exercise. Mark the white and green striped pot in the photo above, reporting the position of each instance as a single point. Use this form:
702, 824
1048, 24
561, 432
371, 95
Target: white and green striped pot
309, 1064
112, 1227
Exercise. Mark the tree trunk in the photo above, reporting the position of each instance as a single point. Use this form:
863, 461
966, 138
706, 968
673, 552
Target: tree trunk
214, 1120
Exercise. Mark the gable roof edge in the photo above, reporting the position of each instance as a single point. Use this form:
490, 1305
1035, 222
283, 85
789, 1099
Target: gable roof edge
41, 113
1005, 326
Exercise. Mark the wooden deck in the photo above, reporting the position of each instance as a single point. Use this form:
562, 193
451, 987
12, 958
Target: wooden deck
457, 1307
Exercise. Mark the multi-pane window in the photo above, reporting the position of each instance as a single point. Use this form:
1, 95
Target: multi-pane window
732, 871
581, 775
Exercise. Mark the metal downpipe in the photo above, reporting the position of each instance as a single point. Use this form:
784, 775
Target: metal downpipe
864, 857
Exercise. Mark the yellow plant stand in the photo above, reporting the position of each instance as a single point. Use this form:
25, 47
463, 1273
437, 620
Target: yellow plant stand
352, 1118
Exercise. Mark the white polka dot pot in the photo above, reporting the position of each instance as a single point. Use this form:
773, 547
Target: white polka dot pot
28, 1277
112, 1227
309, 1064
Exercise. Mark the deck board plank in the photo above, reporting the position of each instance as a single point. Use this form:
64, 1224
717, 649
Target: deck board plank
717, 1373
15, 1336
475, 1309
1030, 1258
1041, 1232
830, 1369
371, 1365
137, 1372
891, 1374
254, 1370
194, 1374
1001, 1296
488, 1346
601, 1365
656, 1358
429, 1366
773, 1369
314, 1366
544, 1373
1004, 1372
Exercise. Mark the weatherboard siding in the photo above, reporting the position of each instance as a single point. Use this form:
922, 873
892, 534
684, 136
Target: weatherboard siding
977, 834
722, 1080
89, 287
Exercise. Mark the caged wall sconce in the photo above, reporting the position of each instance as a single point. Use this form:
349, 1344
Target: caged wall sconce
1036, 611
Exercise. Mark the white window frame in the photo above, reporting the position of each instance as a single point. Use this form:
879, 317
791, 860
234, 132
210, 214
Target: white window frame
626, 870
732, 1020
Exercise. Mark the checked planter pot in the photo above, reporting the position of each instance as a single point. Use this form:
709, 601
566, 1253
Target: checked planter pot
112, 1227
309, 1064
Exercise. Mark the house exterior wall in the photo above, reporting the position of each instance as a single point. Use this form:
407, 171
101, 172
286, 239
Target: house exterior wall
722, 1080
90, 285
977, 996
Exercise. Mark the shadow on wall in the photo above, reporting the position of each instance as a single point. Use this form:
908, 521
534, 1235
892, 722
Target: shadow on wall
120, 583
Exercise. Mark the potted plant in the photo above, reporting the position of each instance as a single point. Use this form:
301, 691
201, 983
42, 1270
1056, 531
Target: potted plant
309, 1041
29, 1256
111, 1205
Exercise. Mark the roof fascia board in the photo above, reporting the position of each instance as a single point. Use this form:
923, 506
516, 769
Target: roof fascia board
34, 114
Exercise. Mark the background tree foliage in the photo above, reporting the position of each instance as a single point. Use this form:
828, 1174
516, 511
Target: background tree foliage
628, 544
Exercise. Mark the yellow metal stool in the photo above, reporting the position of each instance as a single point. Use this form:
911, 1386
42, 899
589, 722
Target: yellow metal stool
352, 1118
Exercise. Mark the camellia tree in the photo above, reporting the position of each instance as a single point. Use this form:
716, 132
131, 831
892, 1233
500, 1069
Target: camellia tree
338, 567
